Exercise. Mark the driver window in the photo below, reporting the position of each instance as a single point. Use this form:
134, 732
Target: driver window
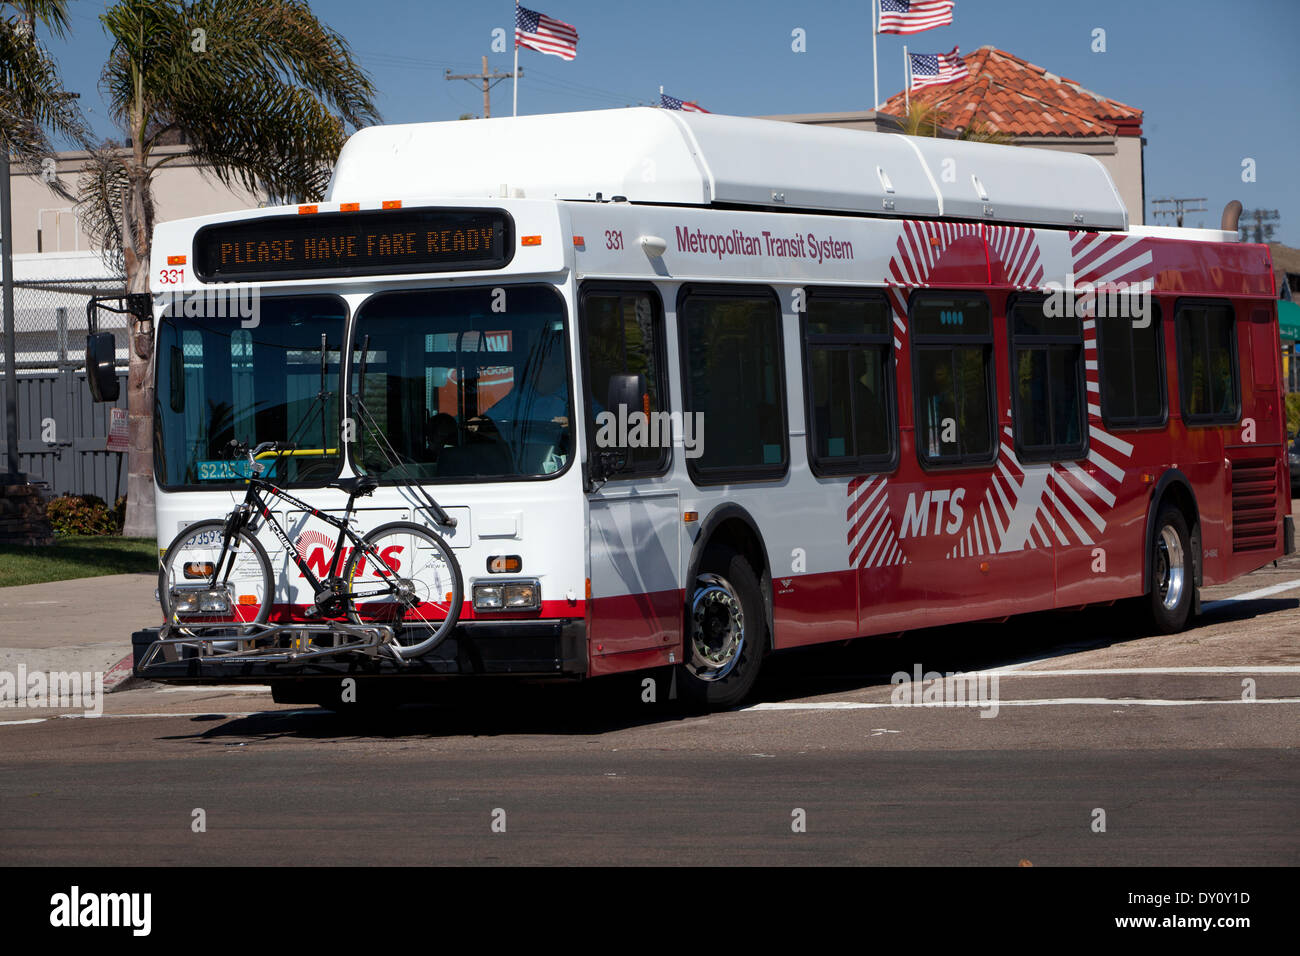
622, 335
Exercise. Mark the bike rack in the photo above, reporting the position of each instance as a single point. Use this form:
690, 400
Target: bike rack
266, 643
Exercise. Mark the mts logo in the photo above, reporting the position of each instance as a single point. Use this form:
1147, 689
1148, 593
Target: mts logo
316, 548
945, 504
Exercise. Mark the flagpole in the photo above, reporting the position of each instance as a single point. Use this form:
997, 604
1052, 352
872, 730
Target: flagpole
516, 71
661, 95
875, 71
907, 81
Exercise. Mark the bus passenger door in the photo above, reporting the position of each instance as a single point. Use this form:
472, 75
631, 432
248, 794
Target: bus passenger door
636, 605
634, 616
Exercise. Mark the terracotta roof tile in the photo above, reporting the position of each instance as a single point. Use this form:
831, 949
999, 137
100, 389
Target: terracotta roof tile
1019, 98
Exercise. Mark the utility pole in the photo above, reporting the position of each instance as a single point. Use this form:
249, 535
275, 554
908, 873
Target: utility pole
486, 80
1177, 207
1265, 220
13, 476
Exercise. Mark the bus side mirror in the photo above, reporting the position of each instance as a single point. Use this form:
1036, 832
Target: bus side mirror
101, 366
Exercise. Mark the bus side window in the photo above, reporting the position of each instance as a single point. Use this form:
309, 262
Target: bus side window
622, 334
848, 357
1131, 368
1048, 390
734, 383
952, 358
1207, 362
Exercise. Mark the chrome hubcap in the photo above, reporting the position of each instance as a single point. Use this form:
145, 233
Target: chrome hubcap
717, 629
1171, 569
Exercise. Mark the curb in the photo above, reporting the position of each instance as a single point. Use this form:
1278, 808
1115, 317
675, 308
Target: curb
119, 674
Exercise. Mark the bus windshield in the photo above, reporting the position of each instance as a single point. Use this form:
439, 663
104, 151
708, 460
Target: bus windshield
457, 384
275, 378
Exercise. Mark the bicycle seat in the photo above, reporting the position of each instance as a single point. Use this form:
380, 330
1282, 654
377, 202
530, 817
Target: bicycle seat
356, 487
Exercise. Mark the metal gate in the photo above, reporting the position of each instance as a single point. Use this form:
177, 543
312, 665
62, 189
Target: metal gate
61, 433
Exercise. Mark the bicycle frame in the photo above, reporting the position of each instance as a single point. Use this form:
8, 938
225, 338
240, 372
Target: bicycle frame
255, 505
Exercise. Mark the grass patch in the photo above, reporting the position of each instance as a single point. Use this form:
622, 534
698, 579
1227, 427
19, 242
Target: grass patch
74, 556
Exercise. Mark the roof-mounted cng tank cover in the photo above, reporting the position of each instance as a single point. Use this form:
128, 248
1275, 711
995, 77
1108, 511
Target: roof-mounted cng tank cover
697, 159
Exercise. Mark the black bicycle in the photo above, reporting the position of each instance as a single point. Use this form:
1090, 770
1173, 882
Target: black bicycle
401, 574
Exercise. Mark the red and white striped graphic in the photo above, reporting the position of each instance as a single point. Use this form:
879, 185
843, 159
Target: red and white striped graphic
873, 538
1027, 506
919, 250
1016, 248
1056, 504
1062, 503
1106, 261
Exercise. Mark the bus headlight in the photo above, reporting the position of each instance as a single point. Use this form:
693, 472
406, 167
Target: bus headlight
488, 597
524, 596
185, 600
508, 596
214, 602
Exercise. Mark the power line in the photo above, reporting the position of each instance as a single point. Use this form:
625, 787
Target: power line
1177, 208
488, 80
1265, 224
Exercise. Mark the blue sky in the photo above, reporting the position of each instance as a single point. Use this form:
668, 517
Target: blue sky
1218, 80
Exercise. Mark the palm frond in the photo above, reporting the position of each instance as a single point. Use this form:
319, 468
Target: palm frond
33, 103
52, 14
102, 196
923, 119
981, 132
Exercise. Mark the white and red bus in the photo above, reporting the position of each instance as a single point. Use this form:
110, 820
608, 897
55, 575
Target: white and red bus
760, 385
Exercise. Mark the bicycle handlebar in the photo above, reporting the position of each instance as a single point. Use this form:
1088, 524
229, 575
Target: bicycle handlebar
239, 449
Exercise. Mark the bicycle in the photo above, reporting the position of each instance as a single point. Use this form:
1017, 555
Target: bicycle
216, 572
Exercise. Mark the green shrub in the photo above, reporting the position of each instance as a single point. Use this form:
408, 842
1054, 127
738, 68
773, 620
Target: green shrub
1293, 413
81, 514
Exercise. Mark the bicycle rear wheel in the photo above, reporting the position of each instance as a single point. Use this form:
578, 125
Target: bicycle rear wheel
244, 587
423, 603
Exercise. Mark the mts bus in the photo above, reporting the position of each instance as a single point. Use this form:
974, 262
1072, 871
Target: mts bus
786, 385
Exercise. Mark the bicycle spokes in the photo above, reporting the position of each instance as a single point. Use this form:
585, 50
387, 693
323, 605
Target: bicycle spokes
404, 578
210, 584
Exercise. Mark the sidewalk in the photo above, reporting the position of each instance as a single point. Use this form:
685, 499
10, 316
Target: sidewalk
83, 624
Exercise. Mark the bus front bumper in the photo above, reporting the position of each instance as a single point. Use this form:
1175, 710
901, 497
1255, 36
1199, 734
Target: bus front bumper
523, 649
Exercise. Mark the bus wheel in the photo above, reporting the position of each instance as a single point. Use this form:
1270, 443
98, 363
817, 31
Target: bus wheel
1172, 575
726, 634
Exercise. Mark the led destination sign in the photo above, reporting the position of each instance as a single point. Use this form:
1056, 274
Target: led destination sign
354, 244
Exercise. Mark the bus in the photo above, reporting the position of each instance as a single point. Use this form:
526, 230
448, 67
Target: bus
698, 388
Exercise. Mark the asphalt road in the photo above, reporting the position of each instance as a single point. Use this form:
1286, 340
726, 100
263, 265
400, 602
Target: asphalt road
1157, 737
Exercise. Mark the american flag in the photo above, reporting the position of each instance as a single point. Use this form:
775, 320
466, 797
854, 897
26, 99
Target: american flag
537, 31
935, 69
673, 103
913, 16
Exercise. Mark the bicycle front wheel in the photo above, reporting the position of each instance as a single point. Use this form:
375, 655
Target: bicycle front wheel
189, 574
405, 576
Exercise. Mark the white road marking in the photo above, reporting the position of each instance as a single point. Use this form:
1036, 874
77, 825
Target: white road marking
228, 688
34, 720
1252, 595
1112, 671
1044, 702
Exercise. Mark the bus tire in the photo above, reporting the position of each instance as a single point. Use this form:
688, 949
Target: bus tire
723, 609
1173, 573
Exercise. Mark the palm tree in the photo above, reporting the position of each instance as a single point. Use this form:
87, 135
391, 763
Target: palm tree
33, 103
923, 119
264, 95
981, 132
926, 119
